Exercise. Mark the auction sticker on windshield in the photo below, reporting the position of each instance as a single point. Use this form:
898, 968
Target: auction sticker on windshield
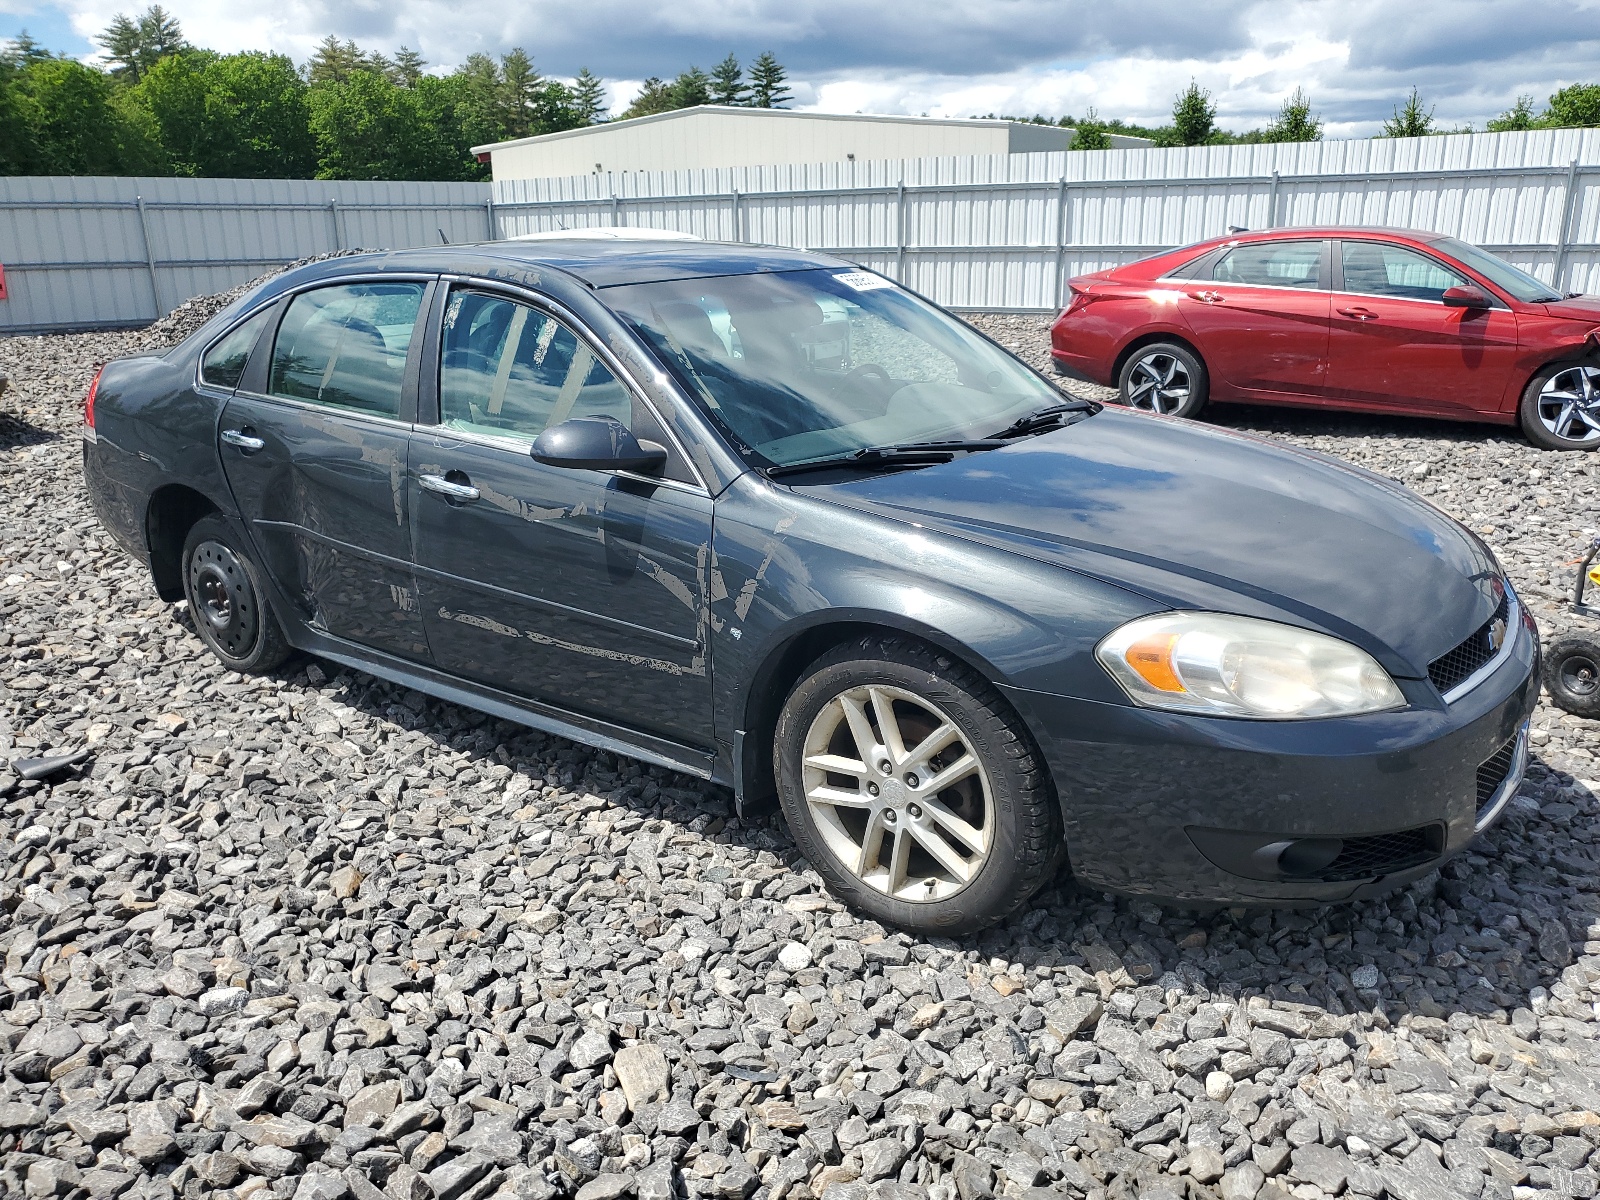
864, 281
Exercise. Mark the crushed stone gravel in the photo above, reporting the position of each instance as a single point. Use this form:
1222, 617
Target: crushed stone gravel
312, 935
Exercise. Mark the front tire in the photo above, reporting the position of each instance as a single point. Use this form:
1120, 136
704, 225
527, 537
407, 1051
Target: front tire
914, 789
1560, 407
226, 601
1572, 675
1164, 378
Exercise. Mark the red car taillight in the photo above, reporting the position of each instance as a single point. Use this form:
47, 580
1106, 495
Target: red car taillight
1076, 300
88, 402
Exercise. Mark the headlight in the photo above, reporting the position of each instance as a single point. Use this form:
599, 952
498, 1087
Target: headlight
1231, 666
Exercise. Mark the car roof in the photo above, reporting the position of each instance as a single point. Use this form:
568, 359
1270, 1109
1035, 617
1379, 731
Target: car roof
1297, 232
597, 262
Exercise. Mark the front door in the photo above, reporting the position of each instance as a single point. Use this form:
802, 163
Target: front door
1395, 341
1261, 319
586, 590
315, 453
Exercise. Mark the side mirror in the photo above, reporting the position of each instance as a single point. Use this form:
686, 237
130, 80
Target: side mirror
1466, 297
597, 444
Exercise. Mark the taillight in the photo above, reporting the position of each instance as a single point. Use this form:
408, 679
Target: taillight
88, 402
1075, 300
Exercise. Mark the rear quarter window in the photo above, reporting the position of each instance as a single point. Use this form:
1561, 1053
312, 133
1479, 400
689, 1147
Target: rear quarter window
223, 364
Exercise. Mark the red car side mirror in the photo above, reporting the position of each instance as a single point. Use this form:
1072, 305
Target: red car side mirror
1466, 297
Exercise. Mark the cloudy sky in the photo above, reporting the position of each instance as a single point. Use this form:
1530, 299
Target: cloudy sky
1355, 58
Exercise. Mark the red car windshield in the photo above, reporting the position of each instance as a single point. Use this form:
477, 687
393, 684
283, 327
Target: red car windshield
1498, 272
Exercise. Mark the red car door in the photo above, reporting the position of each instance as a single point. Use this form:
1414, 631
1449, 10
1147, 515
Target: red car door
1260, 318
1395, 343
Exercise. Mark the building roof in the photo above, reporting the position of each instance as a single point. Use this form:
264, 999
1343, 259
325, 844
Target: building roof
757, 113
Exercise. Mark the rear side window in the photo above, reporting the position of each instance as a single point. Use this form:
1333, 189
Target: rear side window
510, 370
1378, 269
345, 346
223, 366
1272, 264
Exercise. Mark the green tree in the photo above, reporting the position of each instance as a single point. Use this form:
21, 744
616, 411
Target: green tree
408, 66
1518, 117
368, 128
691, 88
232, 116
727, 83
589, 97
1194, 116
1295, 121
1091, 132
767, 78
520, 88
136, 45
1409, 120
1574, 106
73, 126
334, 61
654, 97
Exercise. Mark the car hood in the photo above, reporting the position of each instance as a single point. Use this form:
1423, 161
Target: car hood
1577, 308
1195, 517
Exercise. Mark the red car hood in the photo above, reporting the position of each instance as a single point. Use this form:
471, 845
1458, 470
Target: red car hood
1579, 308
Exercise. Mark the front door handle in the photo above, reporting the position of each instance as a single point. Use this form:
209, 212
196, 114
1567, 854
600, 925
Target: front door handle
448, 488
1207, 297
1360, 314
243, 440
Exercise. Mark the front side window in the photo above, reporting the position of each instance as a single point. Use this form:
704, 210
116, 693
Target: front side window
345, 346
800, 365
223, 366
510, 370
1272, 264
1379, 269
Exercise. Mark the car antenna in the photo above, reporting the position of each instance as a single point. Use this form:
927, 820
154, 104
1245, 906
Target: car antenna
442, 237
1238, 229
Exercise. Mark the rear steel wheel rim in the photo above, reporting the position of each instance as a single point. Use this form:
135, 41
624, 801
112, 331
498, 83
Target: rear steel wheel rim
1159, 383
1580, 675
1569, 404
224, 605
898, 794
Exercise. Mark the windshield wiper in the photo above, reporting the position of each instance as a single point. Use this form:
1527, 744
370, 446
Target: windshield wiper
888, 458
1044, 418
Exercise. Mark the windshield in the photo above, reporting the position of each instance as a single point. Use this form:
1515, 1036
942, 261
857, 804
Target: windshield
1499, 272
803, 365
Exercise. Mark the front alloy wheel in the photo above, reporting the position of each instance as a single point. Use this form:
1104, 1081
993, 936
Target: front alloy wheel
896, 793
1560, 408
914, 789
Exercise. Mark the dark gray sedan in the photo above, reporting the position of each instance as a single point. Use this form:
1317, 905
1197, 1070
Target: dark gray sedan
769, 519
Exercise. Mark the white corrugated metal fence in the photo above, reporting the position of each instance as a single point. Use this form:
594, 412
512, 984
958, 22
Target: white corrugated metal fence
998, 232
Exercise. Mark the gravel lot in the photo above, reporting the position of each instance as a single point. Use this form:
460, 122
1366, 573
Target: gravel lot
313, 935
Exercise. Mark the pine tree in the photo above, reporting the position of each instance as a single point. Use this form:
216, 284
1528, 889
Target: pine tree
137, 45
654, 97
160, 34
1409, 120
589, 97
407, 68
520, 84
691, 88
120, 41
1518, 117
1295, 122
1194, 116
24, 50
766, 83
335, 61
727, 82
1090, 133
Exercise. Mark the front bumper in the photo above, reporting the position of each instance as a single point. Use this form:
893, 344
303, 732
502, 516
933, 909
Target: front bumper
1196, 810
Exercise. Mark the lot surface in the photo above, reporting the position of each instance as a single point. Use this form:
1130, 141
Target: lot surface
314, 935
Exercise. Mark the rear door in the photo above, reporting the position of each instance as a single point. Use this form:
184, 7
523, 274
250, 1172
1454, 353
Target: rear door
585, 590
314, 446
1260, 318
1395, 343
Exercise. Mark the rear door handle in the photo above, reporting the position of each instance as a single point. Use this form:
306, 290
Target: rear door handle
1360, 314
243, 440
448, 488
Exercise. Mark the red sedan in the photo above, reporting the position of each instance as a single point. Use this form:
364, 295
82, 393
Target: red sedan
1375, 320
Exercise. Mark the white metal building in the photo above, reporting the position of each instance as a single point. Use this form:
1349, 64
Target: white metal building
716, 136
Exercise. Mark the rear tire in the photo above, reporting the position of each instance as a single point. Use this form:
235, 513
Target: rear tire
1164, 378
226, 601
1572, 675
936, 839
1559, 398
